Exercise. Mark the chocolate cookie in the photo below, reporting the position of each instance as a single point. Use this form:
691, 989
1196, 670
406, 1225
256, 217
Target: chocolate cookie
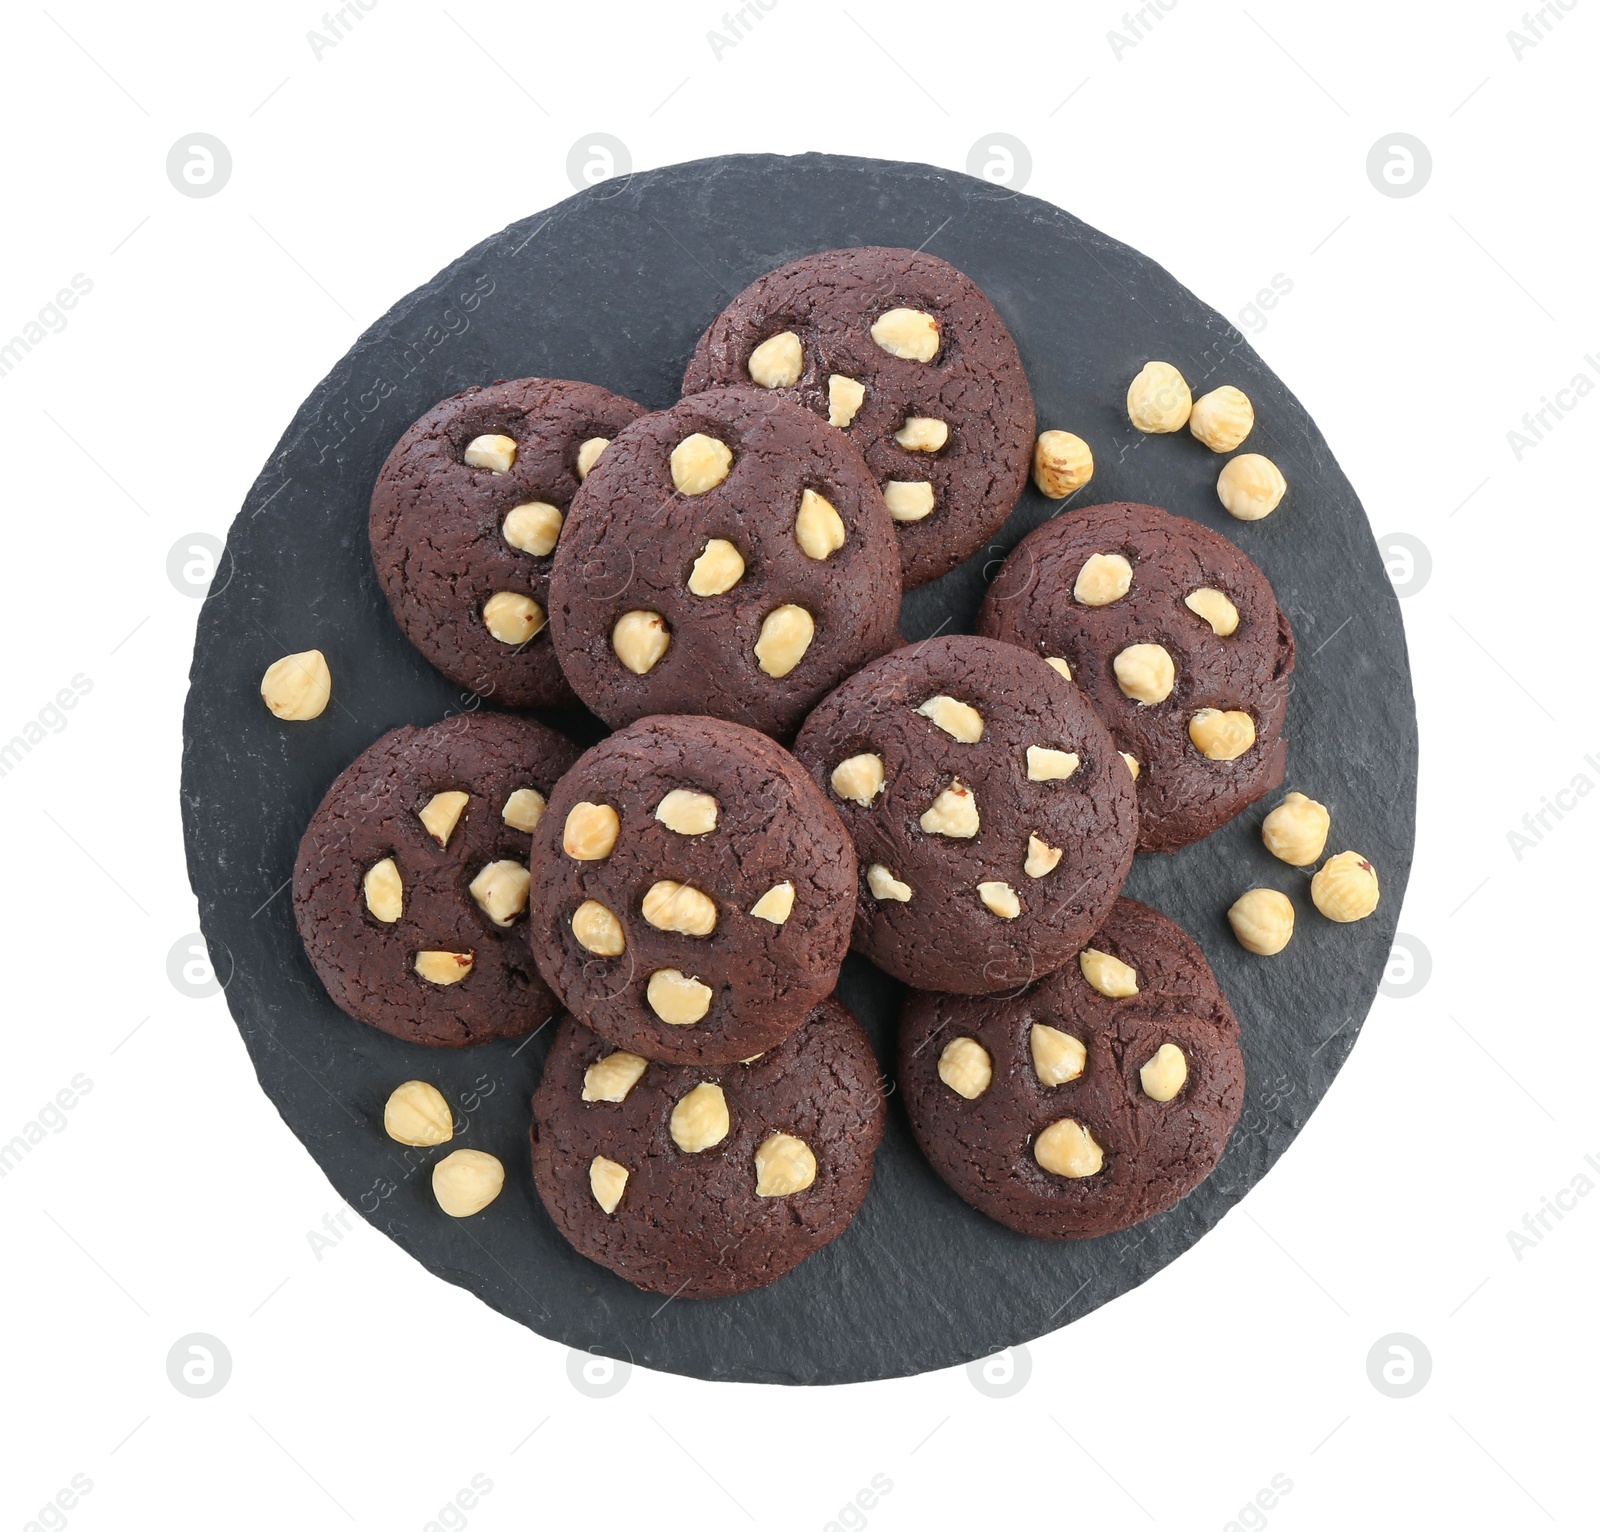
699, 1181
992, 818
1090, 1101
906, 355
412, 879
692, 891
1176, 638
465, 516
729, 556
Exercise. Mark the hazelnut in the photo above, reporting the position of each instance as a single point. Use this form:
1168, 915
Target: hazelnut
1062, 464
908, 500
297, 687
1159, 399
591, 831
844, 399
1346, 887
922, 433
777, 362
1042, 857
496, 453
1214, 608
640, 639
1145, 673
589, 454
466, 1181
598, 930
700, 1119
443, 967
501, 890
718, 569
957, 719
1067, 1148
885, 885
680, 907
818, 528
1250, 486
383, 890
1296, 831
859, 779
699, 463
523, 809
1047, 765
786, 634
611, 1078
965, 1066
688, 812
676, 998
441, 813
1222, 736
1060, 666
1111, 976
776, 905
607, 1182
512, 617
1263, 920
784, 1165
1161, 1076
1057, 1056
1221, 419
1104, 578
1000, 899
417, 1114
532, 527
954, 813
909, 334
1131, 762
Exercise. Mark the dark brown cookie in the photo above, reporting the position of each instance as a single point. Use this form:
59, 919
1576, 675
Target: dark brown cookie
459, 547
959, 423
692, 891
409, 900
1129, 1100
699, 1181
1228, 662
992, 818
700, 572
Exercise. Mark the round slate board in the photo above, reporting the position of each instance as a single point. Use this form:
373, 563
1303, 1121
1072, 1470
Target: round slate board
614, 286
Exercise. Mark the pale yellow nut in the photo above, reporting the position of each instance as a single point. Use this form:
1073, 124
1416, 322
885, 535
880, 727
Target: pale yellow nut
1222, 736
858, 778
954, 813
639, 639
1047, 765
777, 362
908, 500
611, 1078
589, 454
443, 967
1162, 1075
959, 720
680, 907
1067, 1148
677, 999
1059, 665
1062, 464
496, 453
776, 905
1131, 762
1110, 975
1000, 899
501, 890
590, 833
513, 618
885, 885
1346, 887
1058, 1057
1104, 578
598, 930
718, 569
384, 893
688, 812
1214, 608
700, 463
466, 1181
753, 1057
922, 433
818, 527
1222, 419
700, 1119
533, 528
1250, 486
416, 1113
441, 814
1263, 921
297, 687
1042, 857
844, 399
786, 634
784, 1165
1145, 673
909, 334
965, 1066
524, 809
607, 1182
1158, 399
1296, 831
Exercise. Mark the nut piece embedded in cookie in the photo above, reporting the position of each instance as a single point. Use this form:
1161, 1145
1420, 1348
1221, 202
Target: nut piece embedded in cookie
680, 907
700, 463
959, 720
1250, 486
859, 778
784, 1165
908, 333
589, 454
885, 885
416, 1113
1215, 608
718, 569
965, 1066
611, 1078
676, 998
501, 890
297, 687
443, 967
467, 1181
533, 527
590, 833
954, 812
688, 812
776, 905
1158, 399
1047, 765
1131, 762
1067, 1148
786, 634
1297, 830
384, 893
908, 500
778, 361
1110, 975
1262, 920
598, 930
818, 528
441, 813
844, 399
607, 1182
513, 618
524, 809
1042, 857
1059, 665
496, 453
922, 433
1145, 673
700, 1119
1222, 419
1062, 464
1346, 887
1057, 1056
1104, 578
1000, 899
1162, 1075
1222, 736
639, 639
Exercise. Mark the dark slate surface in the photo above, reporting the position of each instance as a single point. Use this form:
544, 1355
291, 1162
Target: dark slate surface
614, 285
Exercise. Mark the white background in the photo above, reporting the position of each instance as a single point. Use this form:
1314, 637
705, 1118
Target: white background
1230, 145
